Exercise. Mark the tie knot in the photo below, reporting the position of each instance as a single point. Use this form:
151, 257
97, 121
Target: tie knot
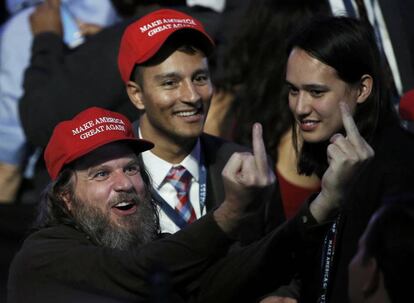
179, 177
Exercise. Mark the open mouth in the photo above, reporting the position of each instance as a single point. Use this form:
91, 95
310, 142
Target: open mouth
125, 208
124, 205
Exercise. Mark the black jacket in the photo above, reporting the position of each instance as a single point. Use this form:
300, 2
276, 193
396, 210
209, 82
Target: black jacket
61, 264
390, 173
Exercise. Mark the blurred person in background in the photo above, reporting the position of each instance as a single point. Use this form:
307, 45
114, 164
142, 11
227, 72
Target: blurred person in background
391, 22
381, 269
16, 154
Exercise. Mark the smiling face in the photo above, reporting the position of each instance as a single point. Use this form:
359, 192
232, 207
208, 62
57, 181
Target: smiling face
175, 97
110, 199
315, 91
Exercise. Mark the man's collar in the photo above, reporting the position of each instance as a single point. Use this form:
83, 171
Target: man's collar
158, 168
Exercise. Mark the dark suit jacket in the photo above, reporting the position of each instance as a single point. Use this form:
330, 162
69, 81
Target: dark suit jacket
62, 264
397, 16
264, 215
398, 19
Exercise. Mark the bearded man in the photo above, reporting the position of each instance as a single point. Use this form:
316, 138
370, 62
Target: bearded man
98, 238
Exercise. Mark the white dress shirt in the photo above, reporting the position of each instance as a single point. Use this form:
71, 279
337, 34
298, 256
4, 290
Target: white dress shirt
158, 170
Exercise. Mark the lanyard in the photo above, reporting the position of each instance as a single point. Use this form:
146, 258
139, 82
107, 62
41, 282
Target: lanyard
328, 253
170, 211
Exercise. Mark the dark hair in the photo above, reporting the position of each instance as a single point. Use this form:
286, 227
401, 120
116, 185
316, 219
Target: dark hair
253, 64
52, 209
389, 240
349, 46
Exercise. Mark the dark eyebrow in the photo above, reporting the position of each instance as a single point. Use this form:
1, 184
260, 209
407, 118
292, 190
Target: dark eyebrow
161, 77
309, 87
197, 72
133, 162
91, 171
289, 84
202, 71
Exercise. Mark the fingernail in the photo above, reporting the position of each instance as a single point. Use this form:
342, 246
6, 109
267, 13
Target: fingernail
258, 126
335, 137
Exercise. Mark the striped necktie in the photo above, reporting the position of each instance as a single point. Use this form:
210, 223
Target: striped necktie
180, 178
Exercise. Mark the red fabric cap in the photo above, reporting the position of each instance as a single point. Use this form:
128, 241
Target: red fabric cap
89, 130
143, 38
406, 108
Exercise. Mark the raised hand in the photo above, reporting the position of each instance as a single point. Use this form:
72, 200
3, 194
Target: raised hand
346, 155
46, 18
244, 175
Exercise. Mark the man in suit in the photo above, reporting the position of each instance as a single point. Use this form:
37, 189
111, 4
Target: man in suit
397, 18
395, 35
163, 59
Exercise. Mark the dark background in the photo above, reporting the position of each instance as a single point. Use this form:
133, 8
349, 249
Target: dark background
3, 12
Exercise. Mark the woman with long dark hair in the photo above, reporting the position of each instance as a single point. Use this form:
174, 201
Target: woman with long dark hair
334, 67
251, 88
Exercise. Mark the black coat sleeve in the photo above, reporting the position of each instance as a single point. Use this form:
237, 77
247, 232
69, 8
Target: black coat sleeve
245, 275
61, 263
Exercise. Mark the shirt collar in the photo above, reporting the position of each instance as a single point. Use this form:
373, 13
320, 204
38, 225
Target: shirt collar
158, 168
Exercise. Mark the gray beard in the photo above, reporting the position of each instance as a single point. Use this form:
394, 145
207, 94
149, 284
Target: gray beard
138, 228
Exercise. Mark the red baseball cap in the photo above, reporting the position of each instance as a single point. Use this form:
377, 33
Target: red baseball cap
143, 38
87, 131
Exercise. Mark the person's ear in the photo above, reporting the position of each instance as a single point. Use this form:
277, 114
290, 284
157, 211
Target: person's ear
373, 281
365, 88
135, 94
66, 197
